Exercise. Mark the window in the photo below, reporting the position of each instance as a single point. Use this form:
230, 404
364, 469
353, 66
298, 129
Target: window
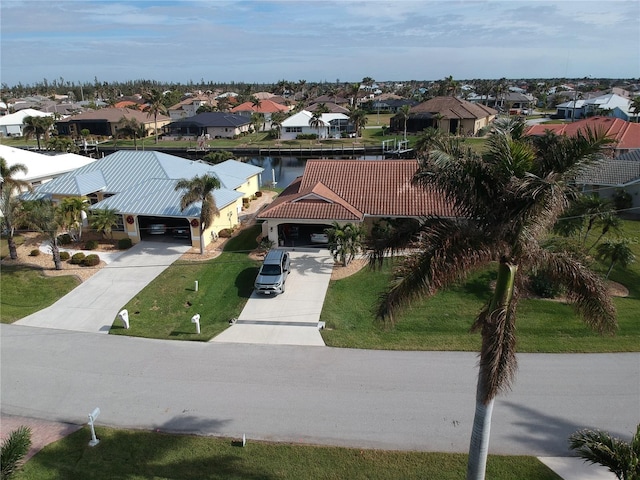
293, 129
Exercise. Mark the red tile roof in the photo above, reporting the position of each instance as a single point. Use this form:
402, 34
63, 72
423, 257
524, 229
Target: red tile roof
353, 189
266, 106
625, 134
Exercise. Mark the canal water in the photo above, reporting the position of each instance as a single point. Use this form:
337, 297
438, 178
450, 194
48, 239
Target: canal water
284, 170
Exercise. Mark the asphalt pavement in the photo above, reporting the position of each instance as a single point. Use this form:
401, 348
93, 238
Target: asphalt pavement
359, 398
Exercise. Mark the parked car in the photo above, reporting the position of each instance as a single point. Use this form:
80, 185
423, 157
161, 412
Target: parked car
273, 273
319, 238
181, 232
157, 229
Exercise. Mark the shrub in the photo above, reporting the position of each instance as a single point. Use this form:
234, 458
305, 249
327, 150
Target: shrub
622, 199
64, 239
77, 258
307, 136
34, 253
91, 260
91, 245
65, 255
225, 233
541, 285
124, 243
258, 194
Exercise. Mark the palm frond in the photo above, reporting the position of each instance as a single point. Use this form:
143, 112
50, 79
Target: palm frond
14, 448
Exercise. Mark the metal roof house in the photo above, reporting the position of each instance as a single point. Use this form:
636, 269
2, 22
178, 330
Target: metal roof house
140, 186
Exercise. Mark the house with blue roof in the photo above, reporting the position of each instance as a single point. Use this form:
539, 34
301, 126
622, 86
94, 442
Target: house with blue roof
140, 187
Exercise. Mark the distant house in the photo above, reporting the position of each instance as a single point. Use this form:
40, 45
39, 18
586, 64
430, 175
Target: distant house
105, 121
12, 125
602, 105
356, 191
606, 178
390, 105
189, 106
450, 114
625, 135
209, 124
42, 168
332, 107
140, 187
331, 125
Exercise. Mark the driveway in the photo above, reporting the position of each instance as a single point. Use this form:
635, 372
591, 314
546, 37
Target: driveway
291, 318
94, 304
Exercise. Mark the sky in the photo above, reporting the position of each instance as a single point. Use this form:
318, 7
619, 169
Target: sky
342, 40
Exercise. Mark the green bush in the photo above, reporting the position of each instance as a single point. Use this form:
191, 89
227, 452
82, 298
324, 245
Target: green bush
34, 253
124, 243
307, 136
77, 258
91, 245
64, 239
65, 255
91, 260
541, 285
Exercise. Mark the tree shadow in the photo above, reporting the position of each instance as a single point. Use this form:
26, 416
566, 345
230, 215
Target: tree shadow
166, 452
245, 280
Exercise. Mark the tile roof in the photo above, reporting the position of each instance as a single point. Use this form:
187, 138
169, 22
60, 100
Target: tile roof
611, 172
214, 119
353, 189
266, 106
452, 107
625, 134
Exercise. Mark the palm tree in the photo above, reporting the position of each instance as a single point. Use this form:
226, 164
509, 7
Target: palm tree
131, 128
316, 121
200, 190
71, 210
43, 217
155, 107
615, 252
505, 202
257, 120
635, 107
12, 215
38, 127
14, 448
276, 122
403, 113
620, 457
8, 173
358, 117
354, 90
104, 220
345, 241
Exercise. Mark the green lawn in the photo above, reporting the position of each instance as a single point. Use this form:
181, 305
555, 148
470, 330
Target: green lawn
127, 454
43, 291
165, 307
443, 321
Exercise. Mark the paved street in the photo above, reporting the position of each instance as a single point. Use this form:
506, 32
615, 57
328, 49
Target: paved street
380, 399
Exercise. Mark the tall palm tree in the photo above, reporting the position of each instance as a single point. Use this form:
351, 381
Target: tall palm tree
131, 128
505, 202
635, 107
403, 113
621, 458
8, 174
200, 190
276, 122
12, 215
316, 121
155, 107
38, 127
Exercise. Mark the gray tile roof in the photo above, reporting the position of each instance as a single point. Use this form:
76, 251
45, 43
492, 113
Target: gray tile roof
614, 172
214, 119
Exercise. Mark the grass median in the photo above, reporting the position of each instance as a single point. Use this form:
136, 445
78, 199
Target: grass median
136, 455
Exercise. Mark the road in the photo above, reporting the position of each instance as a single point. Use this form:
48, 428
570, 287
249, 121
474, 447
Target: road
360, 398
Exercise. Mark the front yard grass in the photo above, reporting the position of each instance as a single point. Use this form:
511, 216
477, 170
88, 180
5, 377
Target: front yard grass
165, 307
443, 321
43, 291
136, 455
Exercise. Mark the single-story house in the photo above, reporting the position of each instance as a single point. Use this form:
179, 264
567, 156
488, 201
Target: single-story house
209, 125
626, 135
267, 107
140, 186
11, 125
105, 121
42, 168
600, 105
450, 114
189, 106
331, 125
348, 191
604, 179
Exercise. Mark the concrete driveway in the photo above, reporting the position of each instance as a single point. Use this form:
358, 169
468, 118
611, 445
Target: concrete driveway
291, 318
94, 304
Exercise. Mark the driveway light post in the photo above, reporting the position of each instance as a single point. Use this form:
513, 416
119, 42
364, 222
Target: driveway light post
92, 418
196, 319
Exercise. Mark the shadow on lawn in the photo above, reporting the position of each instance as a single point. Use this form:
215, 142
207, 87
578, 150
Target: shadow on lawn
144, 454
245, 280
